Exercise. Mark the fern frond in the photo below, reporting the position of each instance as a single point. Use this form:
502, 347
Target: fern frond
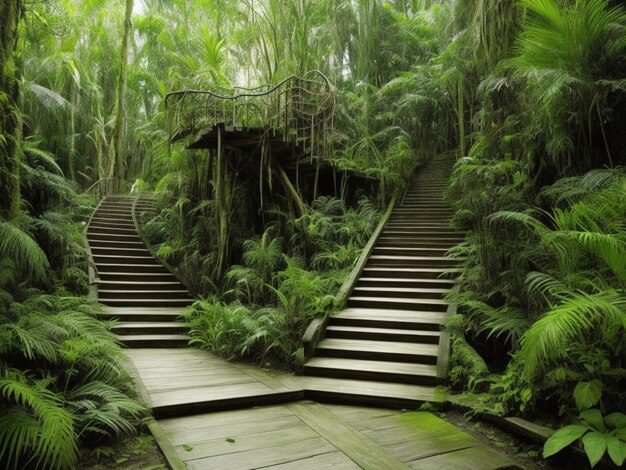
16, 244
549, 339
36, 428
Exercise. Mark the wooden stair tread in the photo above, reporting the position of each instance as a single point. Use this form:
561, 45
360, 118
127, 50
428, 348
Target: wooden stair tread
363, 388
150, 324
390, 331
368, 313
401, 299
373, 366
403, 280
400, 290
135, 310
154, 337
153, 292
378, 346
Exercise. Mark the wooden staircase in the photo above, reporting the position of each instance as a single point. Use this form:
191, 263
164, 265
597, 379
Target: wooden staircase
391, 330
134, 286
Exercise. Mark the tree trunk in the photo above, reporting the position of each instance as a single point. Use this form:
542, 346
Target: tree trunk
10, 112
117, 162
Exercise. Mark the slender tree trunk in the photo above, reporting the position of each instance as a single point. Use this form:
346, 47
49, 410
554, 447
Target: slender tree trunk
117, 161
10, 108
222, 207
461, 116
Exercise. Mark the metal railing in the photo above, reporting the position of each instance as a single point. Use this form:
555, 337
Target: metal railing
299, 109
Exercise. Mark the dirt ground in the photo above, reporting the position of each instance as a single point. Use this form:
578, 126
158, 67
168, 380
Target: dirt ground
135, 453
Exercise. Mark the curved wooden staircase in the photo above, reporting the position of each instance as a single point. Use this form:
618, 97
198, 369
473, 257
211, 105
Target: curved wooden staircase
134, 286
389, 336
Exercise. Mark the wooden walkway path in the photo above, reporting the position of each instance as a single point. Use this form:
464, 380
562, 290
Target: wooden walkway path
190, 389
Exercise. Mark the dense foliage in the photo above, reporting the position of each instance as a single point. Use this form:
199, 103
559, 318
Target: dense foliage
529, 96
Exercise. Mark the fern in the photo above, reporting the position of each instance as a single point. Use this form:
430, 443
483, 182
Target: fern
35, 428
577, 317
18, 245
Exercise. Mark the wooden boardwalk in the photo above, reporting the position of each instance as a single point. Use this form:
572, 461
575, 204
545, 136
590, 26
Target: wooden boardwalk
310, 435
212, 413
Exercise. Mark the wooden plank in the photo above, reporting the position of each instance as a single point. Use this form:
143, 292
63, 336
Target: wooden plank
192, 381
264, 457
211, 432
275, 380
242, 443
411, 449
379, 346
421, 423
208, 393
330, 461
383, 367
154, 377
357, 312
221, 418
385, 391
362, 450
473, 458
350, 414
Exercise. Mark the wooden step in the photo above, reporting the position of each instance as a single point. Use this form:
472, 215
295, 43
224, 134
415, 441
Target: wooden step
378, 350
389, 318
95, 227
410, 251
120, 252
401, 282
122, 276
400, 292
386, 241
142, 285
143, 294
150, 328
116, 244
121, 214
126, 259
402, 335
398, 303
112, 220
412, 261
114, 237
412, 273
145, 302
381, 371
130, 268
142, 314
154, 341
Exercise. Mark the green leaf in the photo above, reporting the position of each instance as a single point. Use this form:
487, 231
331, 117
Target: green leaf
587, 394
615, 420
562, 438
594, 419
595, 446
187, 447
616, 450
121, 460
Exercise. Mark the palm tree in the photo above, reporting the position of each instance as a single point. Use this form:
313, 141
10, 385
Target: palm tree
571, 58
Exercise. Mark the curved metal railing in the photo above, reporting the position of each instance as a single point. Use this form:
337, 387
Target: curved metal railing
299, 109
